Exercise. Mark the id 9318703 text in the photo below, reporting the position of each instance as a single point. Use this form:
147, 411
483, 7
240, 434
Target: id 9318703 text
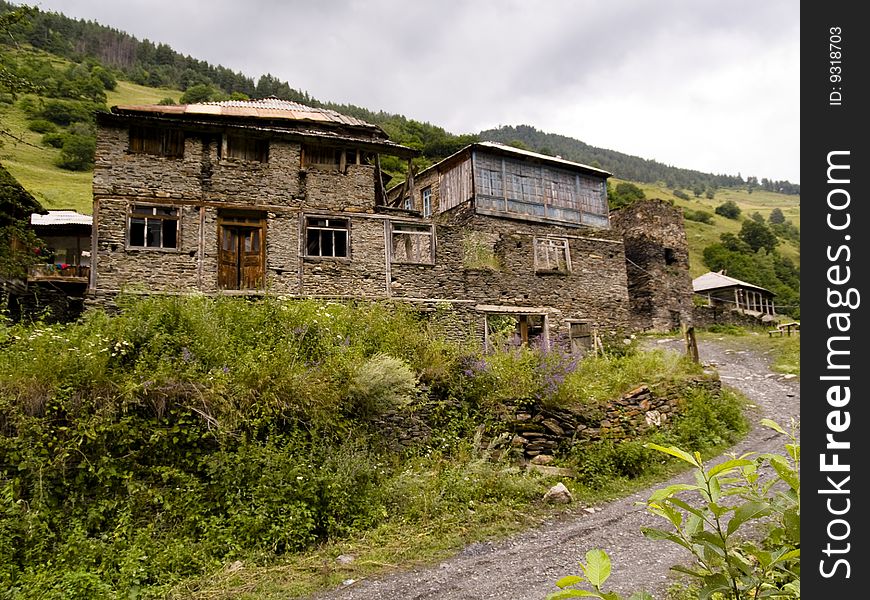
835, 69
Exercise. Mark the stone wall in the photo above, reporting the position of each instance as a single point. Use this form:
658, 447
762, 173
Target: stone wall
47, 301
528, 431
201, 185
657, 253
594, 290
705, 316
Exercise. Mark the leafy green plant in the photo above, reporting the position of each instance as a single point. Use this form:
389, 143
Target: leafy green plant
596, 571
735, 566
381, 383
478, 253
734, 494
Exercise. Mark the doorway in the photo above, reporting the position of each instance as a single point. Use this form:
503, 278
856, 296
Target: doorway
241, 251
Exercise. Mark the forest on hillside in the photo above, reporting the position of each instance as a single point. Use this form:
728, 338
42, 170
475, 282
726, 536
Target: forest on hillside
121, 55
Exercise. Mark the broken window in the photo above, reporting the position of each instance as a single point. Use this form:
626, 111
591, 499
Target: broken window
326, 237
158, 141
412, 244
245, 148
153, 227
427, 201
552, 255
478, 251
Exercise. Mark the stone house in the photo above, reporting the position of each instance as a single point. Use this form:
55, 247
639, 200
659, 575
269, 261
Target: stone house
238, 197
269, 196
524, 245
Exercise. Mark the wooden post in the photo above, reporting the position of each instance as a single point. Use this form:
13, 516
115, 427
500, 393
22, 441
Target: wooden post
691, 344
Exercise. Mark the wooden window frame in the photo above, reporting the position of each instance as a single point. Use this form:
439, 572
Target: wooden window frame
156, 141
156, 219
582, 332
525, 327
342, 157
410, 232
426, 201
549, 245
331, 224
244, 148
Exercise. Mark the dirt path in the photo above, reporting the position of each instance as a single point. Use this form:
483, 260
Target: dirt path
525, 566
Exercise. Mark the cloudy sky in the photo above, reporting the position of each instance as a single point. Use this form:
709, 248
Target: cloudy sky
707, 85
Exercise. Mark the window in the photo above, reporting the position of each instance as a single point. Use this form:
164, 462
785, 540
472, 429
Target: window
670, 256
552, 255
153, 227
245, 148
330, 157
326, 237
412, 244
427, 201
157, 141
409, 205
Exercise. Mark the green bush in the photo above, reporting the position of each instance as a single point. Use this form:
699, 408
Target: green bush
701, 216
77, 153
55, 140
66, 112
381, 383
728, 209
41, 126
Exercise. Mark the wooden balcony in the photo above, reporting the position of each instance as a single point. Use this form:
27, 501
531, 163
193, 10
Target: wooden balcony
59, 272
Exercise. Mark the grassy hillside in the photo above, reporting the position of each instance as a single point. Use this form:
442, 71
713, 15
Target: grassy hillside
32, 163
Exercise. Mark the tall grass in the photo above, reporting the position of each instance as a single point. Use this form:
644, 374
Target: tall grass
141, 451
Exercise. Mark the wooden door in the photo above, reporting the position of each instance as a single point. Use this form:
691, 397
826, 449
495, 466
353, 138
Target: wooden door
241, 253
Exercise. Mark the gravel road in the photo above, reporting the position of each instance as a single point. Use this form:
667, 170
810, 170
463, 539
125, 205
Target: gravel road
525, 566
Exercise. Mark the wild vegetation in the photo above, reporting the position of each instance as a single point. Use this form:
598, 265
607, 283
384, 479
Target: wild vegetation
727, 563
144, 453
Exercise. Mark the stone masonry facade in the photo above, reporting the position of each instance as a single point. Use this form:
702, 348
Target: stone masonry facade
391, 254
657, 256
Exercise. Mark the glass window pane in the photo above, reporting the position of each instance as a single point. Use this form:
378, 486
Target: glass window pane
137, 232
340, 243
170, 234
152, 235
313, 243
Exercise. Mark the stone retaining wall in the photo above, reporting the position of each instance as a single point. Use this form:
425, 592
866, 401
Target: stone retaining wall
530, 431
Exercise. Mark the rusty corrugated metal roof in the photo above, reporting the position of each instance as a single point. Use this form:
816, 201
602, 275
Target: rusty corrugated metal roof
266, 108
